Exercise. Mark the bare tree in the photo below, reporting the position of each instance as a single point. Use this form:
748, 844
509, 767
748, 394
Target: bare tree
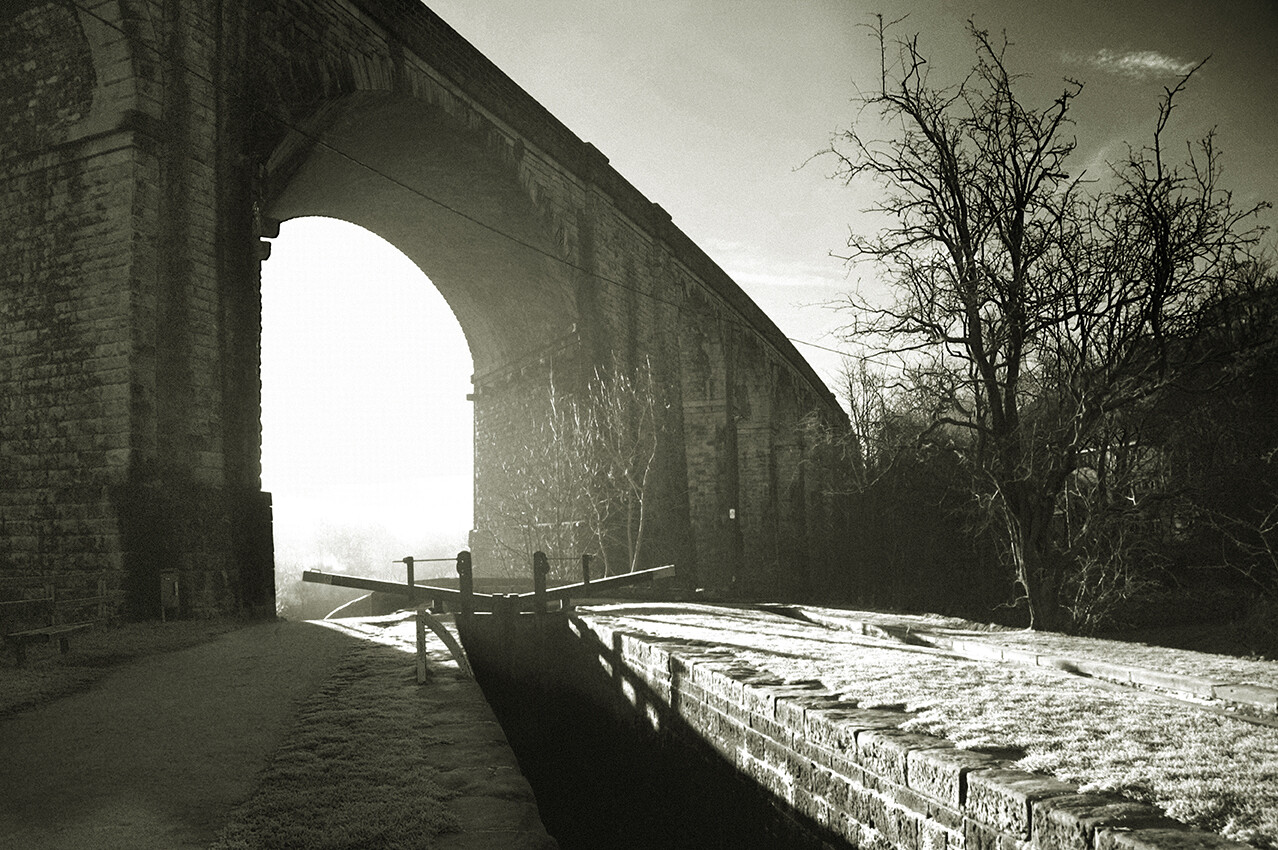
616, 435
1031, 304
529, 502
579, 483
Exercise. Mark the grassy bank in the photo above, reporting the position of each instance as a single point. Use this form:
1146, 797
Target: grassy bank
353, 772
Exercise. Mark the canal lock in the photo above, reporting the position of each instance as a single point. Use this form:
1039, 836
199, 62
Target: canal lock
611, 763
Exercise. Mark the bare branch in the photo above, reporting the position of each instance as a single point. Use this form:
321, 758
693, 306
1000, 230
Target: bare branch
1032, 307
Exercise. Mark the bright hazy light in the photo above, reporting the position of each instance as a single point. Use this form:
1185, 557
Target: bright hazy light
365, 373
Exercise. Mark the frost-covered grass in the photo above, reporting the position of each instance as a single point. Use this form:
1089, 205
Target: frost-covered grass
352, 772
1203, 769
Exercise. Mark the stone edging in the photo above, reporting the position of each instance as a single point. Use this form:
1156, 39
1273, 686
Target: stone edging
857, 774
1253, 696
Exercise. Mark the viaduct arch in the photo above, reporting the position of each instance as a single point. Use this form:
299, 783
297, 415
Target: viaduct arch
149, 149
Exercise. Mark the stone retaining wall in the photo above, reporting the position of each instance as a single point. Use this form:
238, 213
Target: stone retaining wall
854, 772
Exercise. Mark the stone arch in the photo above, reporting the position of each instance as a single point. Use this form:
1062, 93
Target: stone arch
452, 203
451, 196
135, 220
119, 75
50, 73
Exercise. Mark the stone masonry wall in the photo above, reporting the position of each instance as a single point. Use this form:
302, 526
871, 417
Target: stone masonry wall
853, 771
124, 451
141, 143
65, 212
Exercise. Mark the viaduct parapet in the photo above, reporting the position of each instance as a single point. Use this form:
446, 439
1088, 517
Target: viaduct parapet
149, 150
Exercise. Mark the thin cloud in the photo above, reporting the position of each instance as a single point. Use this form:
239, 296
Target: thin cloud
1133, 63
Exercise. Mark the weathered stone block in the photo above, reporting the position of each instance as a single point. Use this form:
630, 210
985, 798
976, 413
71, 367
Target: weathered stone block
1003, 798
916, 802
772, 729
868, 808
883, 752
815, 807
1174, 682
1163, 839
1020, 656
941, 773
978, 836
903, 826
837, 728
1071, 822
932, 836
840, 761
1257, 695
790, 709
829, 728
759, 698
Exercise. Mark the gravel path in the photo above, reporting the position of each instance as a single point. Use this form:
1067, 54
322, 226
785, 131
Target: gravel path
157, 752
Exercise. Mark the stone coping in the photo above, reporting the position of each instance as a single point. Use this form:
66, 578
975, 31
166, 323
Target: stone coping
856, 772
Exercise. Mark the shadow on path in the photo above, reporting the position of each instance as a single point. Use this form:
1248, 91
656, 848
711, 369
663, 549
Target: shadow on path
155, 755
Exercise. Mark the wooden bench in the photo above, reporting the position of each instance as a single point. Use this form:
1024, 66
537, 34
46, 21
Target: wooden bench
44, 634
26, 612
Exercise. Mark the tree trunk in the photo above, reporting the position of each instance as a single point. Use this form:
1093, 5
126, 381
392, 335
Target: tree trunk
1038, 565
1041, 578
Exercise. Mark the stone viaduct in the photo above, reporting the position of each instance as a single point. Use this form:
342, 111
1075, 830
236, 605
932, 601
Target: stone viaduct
147, 150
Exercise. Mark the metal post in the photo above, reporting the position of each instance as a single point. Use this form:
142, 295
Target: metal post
423, 674
465, 582
541, 568
585, 570
408, 562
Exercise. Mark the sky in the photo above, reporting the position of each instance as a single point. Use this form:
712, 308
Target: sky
713, 109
